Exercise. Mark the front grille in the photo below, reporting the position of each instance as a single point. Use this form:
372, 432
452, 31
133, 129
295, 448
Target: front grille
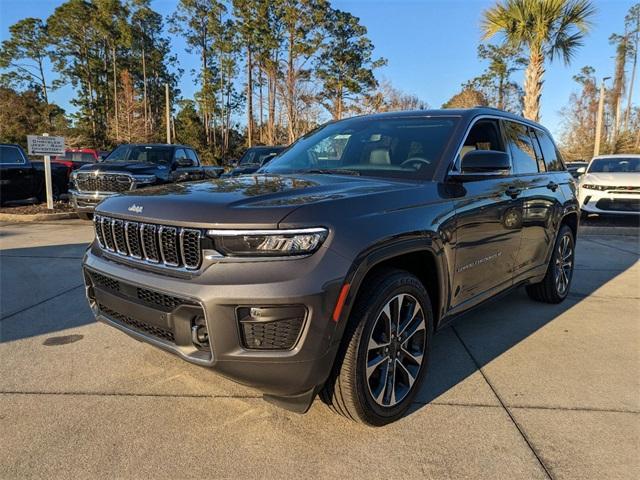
104, 281
158, 332
158, 299
619, 204
167, 245
103, 182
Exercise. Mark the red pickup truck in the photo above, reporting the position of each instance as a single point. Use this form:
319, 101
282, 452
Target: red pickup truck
75, 158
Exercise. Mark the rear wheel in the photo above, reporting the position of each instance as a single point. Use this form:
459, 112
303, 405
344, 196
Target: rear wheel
555, 286
385, 350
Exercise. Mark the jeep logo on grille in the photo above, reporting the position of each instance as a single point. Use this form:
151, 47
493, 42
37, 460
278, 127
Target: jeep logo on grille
135, 208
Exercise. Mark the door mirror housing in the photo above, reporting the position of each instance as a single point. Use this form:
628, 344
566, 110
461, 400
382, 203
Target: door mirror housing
183, 162
485, 161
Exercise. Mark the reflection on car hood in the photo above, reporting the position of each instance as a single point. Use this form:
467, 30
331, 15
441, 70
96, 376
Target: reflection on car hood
631, 179
251, 200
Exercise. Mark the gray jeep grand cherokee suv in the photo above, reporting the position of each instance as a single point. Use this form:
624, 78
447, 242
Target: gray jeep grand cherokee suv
329, 270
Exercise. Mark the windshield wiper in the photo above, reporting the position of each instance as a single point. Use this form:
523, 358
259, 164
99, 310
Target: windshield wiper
329, 171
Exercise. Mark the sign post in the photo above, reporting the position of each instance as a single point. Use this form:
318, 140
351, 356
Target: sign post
46, 146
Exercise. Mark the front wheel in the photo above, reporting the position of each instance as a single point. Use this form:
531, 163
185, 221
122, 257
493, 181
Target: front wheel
85, 216
385, 350
555, 286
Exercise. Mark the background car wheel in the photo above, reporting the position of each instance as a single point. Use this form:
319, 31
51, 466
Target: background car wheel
385, 350
85, 216
555, 286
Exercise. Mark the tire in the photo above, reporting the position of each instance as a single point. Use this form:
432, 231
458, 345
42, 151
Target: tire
556, 284
364, 398
85, 216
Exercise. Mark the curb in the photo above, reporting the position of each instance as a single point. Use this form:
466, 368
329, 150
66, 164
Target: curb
598, 231
38, 217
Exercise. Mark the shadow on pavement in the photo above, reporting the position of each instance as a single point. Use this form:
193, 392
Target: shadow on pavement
32, 277
481, 335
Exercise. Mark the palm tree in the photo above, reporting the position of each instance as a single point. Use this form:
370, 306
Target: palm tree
545, 28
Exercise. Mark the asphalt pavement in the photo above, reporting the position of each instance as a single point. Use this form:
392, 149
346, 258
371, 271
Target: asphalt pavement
516, 389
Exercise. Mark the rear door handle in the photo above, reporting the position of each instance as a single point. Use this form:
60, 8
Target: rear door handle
553, 186
513, 192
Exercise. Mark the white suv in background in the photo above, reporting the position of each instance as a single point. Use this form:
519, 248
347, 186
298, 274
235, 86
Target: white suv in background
611, 185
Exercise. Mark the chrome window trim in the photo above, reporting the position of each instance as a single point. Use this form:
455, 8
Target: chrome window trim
454, 168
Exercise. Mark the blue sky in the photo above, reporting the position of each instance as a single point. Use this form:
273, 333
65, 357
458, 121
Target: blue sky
430, 46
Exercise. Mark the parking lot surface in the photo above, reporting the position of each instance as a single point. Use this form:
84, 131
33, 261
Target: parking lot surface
516, 389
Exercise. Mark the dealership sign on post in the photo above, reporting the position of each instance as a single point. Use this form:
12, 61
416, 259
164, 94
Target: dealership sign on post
46, 146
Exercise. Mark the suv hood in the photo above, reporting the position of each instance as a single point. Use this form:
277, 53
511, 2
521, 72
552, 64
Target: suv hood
252, 201
622, 179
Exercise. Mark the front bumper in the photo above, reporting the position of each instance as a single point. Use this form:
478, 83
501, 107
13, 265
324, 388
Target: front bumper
609, 202
86, 202
218, 293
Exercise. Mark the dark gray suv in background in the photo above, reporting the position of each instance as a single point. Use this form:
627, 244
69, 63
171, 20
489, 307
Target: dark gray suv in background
329, 270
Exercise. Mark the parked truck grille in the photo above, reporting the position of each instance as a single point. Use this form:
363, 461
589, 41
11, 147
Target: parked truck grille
103, 182
170, 246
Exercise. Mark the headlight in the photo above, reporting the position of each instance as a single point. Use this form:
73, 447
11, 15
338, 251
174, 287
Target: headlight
594, 187
268, 243
144, 178
73, 175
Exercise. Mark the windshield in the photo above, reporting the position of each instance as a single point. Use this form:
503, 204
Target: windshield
142, 154
405, 147
77, 157
255, 156
615, 165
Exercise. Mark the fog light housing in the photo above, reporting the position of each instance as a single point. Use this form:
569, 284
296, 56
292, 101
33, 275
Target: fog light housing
199, 333
271, 328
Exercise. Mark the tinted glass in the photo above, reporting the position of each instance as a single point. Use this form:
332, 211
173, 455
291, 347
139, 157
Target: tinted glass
10, 155
552, 159
523, 152
192, 155
136, 153
399, 147
180, 153
614, 165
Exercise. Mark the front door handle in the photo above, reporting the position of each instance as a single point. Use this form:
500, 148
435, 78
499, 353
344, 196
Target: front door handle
513, 192
553, 186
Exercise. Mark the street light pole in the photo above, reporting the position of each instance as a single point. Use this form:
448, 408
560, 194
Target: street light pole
168, 112
596, 146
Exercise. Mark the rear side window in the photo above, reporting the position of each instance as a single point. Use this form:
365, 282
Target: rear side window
10, 155
552, 158
522, 148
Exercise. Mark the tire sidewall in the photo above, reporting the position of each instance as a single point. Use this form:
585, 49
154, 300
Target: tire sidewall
395, 285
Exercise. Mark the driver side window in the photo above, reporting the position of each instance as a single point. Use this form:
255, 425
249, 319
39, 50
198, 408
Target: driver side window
484, 135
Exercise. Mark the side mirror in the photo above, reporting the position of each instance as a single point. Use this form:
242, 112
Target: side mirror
485, 161
183, 162
581, 170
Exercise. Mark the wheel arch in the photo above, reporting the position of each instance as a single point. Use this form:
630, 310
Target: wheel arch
419, 256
